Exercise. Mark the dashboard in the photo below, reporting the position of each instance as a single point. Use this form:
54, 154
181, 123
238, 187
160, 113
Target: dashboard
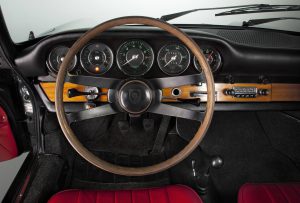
249, 66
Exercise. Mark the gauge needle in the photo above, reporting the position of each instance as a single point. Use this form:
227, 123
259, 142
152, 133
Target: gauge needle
210, 55
132, 58
173, 58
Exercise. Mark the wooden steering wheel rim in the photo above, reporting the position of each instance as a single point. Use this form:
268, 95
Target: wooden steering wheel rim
133, 171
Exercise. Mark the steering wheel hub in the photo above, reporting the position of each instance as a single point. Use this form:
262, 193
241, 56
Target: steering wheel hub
135, 97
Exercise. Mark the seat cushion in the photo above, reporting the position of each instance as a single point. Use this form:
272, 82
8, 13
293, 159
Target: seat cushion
168, 194
270, 193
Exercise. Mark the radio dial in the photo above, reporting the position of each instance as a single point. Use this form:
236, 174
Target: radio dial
230, 92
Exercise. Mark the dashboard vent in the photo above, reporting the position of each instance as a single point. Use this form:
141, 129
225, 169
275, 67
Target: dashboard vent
261, 38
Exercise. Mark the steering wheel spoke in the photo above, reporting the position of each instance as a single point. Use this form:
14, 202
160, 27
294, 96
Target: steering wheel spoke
93, 81
177, 81
100, 111
175, 111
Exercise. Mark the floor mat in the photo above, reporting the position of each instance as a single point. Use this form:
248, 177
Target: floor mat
130, 148
248, 154
88, 176
105, 135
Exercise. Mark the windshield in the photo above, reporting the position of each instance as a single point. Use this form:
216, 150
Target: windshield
49, 17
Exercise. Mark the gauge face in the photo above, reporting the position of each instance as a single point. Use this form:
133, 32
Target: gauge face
56, 58
96, 58
135, 57
173, 59
213, 58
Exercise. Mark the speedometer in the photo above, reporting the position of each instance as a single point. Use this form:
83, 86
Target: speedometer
96, 58
173, 59
135, 57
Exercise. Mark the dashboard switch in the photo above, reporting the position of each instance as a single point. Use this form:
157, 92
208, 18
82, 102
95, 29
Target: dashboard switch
91, 93
263, 92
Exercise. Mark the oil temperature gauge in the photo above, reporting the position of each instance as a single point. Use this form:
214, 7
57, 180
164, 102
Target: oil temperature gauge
213, 58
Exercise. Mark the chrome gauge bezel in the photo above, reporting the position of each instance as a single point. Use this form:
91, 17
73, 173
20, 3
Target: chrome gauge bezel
196, 66
106, 47
162, 68
49, 64
219, 64
145, 71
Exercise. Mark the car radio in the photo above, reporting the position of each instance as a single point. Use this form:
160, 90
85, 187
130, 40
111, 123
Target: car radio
246, 92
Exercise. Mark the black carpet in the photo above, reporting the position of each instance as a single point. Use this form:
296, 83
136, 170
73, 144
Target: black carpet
283, 131
47, 179
256, 147
246, 142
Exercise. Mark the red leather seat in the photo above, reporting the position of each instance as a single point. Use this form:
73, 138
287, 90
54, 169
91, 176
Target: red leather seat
8, 147
168, 194
270, 193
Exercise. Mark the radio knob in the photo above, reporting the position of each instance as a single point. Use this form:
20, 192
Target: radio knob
230, 92
263, 92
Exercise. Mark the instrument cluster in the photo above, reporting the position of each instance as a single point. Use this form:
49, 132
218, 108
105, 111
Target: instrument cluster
134, 57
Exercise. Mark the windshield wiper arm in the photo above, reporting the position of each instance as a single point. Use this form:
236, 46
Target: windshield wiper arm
182, 13
241, 9
260, 8
253, 22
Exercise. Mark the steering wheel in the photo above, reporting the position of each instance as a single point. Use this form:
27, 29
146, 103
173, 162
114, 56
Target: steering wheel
134, 96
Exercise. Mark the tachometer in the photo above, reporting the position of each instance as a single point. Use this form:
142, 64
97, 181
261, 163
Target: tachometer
135, 57
213, 58
96, 58
173, 59
56, 58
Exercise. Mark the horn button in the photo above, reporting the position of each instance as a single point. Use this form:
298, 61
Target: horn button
135, 97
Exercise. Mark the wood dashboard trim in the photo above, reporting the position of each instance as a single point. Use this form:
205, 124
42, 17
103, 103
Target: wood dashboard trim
278, 92
285, 92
